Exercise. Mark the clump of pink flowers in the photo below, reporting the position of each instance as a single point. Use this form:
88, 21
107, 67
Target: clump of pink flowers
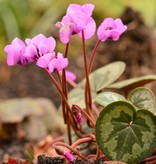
41, 50
78, 20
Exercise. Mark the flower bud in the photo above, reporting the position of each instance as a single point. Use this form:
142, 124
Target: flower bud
68, 156
77, 114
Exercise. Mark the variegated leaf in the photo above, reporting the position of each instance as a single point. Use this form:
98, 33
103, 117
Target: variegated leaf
143, 98
132, 83
106, 98
124, 134
99, 79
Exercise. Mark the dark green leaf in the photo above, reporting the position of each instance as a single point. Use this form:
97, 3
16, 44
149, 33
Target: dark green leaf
124, 134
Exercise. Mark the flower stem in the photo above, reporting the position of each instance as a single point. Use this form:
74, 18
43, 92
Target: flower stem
72, 83
88, 98
64, 89
59, 78
82, 140
66, 102
92, 56
71, 149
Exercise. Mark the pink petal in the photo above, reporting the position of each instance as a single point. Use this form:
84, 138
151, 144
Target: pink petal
88, 9
38, 39
113, 35
58, 64
47, 45
121, 27
72, 8
28, 41
42, 43
70, 75
79, 118
68, 156
89, 30
17, 42
44, 60
79, 15
109, 22
31, 51
62, 62
13, 59
110, 29
15, 52
58, 24
65, 33
77, 18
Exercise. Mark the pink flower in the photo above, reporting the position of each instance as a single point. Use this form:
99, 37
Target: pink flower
58, 63
68, 156
111, 29
77, 18
44, 60
70, 75
78, 118
38, 46
77, 113
15, 52
52, 62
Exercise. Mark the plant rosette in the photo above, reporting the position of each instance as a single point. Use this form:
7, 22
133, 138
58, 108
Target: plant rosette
125, 129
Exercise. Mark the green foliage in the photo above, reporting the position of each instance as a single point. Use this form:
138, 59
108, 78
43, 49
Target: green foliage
143, 98
124, 133
132, 83
99, 79
106, 98
126, 130
103, 77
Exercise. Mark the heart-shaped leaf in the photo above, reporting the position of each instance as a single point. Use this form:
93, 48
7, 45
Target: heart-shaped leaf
143, 98
106, 75
99, 79
133, 82
124, 134
106, 98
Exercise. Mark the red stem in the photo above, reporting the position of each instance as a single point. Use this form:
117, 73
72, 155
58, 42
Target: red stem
64, 99
88, 98
71, 149
82, 140
64, 89
92, 56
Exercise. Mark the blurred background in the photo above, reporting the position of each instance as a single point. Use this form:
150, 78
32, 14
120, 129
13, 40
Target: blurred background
26, 18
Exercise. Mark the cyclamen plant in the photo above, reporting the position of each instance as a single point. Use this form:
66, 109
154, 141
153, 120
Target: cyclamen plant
124, 130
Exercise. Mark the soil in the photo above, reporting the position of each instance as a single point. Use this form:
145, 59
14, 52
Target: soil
136, 48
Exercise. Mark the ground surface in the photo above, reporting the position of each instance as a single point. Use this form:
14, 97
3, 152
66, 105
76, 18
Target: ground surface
136, 48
